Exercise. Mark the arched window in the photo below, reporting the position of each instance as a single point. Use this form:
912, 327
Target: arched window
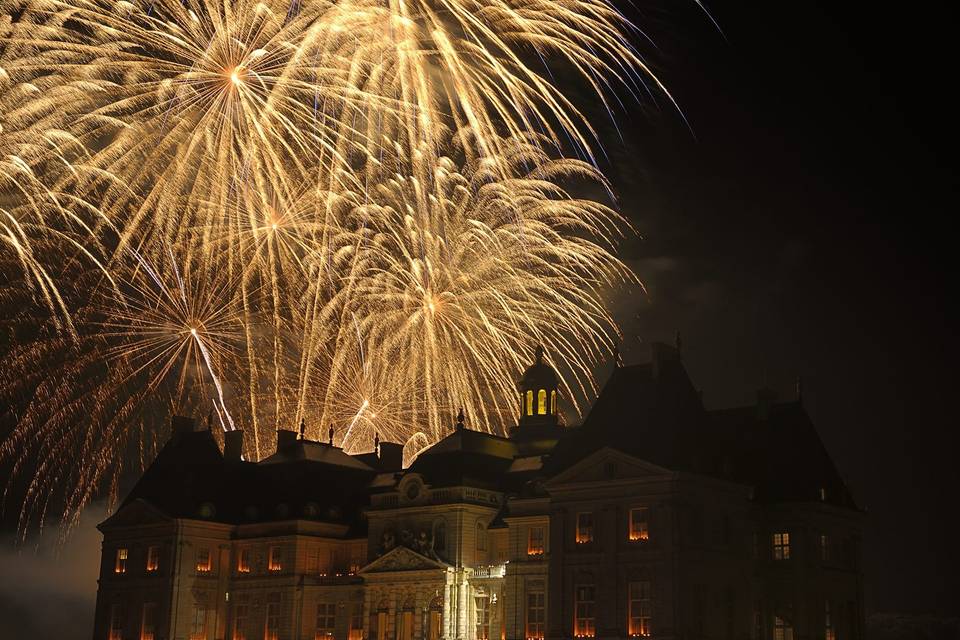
529, 403
481, 537
542, 402
553, 403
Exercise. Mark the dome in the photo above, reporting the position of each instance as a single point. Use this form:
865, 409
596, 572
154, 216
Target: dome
539, 375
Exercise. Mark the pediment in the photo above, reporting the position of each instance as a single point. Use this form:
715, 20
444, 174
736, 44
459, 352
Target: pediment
605, 465
402, 559
137, 513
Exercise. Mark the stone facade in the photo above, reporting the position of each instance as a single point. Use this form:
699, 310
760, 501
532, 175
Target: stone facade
655, 518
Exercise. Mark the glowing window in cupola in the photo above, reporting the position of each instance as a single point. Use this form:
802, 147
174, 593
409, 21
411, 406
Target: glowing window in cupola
529, 403
542, 402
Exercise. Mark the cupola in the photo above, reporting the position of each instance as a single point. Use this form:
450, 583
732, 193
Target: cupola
538, 393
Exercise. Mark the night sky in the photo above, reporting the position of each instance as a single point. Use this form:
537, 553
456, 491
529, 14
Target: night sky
798, 226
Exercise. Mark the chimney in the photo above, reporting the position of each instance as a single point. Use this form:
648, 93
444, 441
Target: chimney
180, 425
765, 399
285, 438
661, 353
391, 456
233, 445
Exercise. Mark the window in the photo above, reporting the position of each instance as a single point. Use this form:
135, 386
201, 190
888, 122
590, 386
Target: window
535, 615
440, 535
436, 620
781, 546
204, 561
825, 547
405, 632
116, 622
829, 632
120, 564
355, 632
584, 612
823, 494
326, 620
584, 528
481, 537
638, 621
148, 621
381, 625
535, 541
638, 525
153, 558
542, 402
530, 402
275, 562
243, 561
240, 617
271, 627
483, 617
757, 620
553, 403
782, 629
198, 626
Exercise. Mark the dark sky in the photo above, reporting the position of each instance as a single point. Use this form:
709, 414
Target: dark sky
798, 227
801, 229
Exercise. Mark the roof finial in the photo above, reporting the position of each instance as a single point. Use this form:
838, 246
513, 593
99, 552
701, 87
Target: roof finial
679, 343
376, 443
799, 389
330, 435
303, 428
460, 420
538, 353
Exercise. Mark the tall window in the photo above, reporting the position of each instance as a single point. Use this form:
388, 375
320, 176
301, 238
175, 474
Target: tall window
198, 625
382, 625
530, 402
638, 621
553, 403
116, 622
355, 632
148, 621
271, 627
781, 546
782, 628
542, 402
204, 562
829, 631
481, 537
639, 530
120, 563
825, 547
535, 615
405, 632
440, 535
535, 541
326, 620
584, 528
436, 620
482, 605
757, 620
275, 562
153, 558
240, 616
584, 611
243, 561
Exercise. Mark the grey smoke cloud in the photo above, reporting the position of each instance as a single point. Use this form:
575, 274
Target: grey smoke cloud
49, 590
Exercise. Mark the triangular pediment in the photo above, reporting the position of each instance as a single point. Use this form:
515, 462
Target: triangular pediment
136, 513
402, 559
605, 465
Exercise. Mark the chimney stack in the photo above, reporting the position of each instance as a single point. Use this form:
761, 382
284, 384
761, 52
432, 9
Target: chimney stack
661, 353
180, 425
233, 446
391, 456
285, 438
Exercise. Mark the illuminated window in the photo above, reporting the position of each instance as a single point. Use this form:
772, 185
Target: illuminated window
271, 626
553, 403
782, 629
148, 621
204, 561
536, 617
535, 541
638, 524
584, 608
829, 632
355, 632
436, 620
638, 614
275, 561
120, 564
781, 546
530, 403
825, 550
481, 537
243, 561
198, 626
542, 402
153, 558
405, 632
326, 620
240, 617
482, 608
116, 622
381, 625
584, 528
